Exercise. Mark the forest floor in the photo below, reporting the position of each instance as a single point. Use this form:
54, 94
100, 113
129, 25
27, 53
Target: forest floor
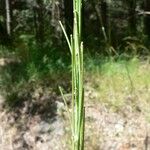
117, 115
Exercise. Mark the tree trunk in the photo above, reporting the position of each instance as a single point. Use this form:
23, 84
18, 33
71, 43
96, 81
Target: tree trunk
104, 13
39, 22
147, 18
132, 16
8, 17
68, 6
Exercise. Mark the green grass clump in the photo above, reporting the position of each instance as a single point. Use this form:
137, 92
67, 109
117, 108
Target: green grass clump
19, 75
119, 83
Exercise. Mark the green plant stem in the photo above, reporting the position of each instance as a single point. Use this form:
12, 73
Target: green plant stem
76, 48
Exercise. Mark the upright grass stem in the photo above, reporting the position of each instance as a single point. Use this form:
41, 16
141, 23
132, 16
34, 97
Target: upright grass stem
76, 48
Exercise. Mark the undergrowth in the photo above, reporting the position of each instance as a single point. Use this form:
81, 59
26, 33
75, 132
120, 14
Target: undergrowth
120, 82
19, 78
117, 81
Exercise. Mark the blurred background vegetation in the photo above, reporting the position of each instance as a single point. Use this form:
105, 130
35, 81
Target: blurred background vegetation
32, 39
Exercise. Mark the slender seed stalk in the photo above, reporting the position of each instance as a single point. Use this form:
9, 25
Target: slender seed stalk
76, 48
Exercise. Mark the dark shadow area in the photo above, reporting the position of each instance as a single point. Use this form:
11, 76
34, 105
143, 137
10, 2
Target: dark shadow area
29, 96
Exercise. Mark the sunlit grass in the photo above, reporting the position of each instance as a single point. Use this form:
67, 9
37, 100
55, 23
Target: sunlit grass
122, 82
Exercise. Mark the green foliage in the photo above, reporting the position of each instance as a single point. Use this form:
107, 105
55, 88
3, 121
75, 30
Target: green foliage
36, 25
134, 46
118, 83
21, 72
